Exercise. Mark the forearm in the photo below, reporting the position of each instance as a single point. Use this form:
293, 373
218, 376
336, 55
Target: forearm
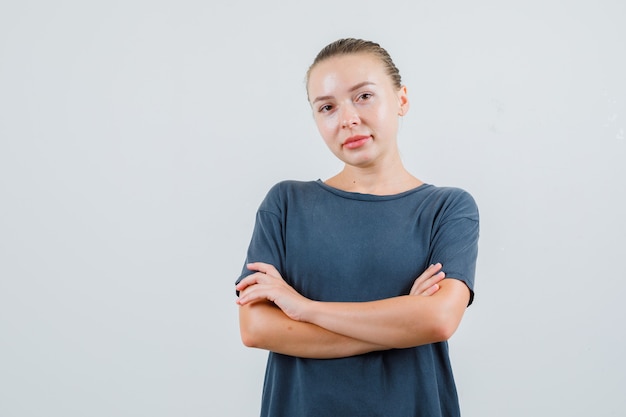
398, 322
265, 326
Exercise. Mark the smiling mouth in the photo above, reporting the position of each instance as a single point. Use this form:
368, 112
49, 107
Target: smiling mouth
354, 142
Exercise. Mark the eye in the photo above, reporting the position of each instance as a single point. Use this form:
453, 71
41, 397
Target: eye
364, 96
325, 108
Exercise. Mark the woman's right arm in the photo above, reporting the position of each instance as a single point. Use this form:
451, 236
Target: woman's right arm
265, 326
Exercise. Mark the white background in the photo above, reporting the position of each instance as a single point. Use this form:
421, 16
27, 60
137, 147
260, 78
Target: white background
137, 139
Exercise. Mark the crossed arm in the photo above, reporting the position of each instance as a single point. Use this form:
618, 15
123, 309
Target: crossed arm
275, 317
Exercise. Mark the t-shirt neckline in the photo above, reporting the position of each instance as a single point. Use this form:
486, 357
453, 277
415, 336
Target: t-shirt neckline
370, 197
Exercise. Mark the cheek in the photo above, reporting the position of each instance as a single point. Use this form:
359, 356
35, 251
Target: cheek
327, 127
386, 117
384, 112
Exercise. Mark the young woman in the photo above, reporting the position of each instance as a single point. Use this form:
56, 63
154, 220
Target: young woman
344, 280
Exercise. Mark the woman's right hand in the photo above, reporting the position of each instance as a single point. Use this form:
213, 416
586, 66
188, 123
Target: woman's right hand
267, 284
428, 283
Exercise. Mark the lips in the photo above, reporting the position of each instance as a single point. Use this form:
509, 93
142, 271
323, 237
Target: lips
356, 141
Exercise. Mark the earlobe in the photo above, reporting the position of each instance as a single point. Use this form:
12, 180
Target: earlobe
404, 107
404, 101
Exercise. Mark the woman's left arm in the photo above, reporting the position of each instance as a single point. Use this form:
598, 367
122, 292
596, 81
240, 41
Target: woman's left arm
400, 322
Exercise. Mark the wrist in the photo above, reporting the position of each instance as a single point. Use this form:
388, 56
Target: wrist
309, 311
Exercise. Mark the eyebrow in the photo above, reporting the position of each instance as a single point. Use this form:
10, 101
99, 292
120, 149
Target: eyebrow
353, 88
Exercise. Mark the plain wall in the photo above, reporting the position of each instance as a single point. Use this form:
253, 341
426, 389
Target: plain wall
137, 139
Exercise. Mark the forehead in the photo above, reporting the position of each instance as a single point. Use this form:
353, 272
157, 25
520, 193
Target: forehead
343, 71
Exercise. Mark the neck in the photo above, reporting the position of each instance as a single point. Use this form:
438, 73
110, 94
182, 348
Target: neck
392, 179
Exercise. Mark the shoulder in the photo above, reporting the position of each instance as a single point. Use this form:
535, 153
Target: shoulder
283, 192
290, 188
453, 201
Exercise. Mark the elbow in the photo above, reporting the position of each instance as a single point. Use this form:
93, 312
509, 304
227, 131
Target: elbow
443, 331
447, 315
250, 327
248, 339
248, 335
438, 329
443, 326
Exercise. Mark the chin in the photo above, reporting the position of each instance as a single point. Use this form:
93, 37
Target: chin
362, 162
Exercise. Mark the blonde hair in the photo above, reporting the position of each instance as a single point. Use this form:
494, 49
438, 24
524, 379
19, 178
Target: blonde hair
348, 46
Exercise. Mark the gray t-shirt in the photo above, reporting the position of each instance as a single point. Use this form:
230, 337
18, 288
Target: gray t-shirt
332, 245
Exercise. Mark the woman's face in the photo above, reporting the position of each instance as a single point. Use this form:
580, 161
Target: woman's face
356, 108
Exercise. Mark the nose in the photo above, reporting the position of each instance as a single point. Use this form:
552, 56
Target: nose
349, 117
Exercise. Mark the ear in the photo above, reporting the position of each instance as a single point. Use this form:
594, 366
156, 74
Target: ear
403, 100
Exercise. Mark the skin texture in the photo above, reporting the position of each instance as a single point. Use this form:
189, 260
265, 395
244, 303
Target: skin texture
356, 108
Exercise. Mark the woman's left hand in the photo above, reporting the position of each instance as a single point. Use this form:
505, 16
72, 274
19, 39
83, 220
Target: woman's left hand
428, 283
268, 284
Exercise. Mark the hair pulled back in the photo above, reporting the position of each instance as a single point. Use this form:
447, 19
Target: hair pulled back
350, 46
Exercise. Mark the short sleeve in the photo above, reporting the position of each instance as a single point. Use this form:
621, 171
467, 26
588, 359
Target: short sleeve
267, 243
455, 238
